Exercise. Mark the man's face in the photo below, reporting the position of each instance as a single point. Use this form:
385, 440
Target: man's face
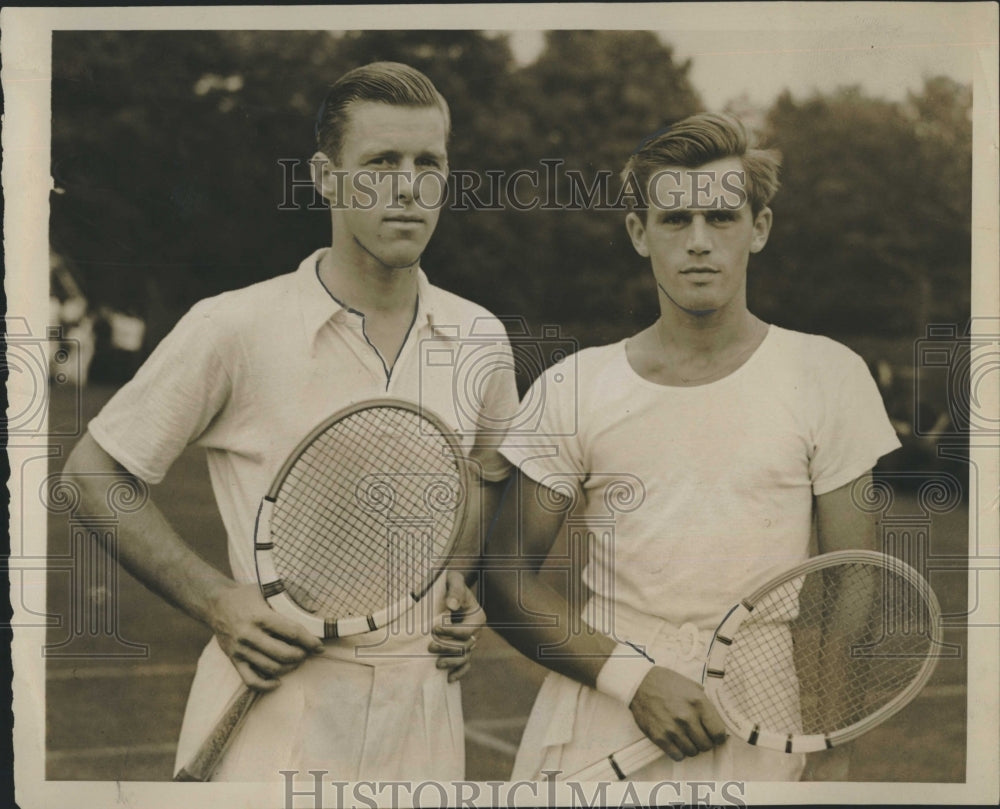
698, 233
388, 184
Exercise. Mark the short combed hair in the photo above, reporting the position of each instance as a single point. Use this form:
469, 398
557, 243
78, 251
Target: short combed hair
700, 139
385, 82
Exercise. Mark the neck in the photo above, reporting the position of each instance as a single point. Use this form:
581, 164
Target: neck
704, 332
365, 284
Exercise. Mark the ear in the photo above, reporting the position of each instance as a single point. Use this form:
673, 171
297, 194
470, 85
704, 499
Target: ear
635, 224
761, 230
324, 177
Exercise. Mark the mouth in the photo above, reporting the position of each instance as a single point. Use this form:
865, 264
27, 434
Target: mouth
404, 220
700, 271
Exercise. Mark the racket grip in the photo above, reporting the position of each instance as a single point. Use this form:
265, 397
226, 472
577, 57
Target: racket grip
620, 765
204, 762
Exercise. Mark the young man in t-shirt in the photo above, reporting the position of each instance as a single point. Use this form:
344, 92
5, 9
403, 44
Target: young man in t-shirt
247, 375
697, 455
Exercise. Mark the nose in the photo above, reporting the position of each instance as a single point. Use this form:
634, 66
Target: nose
699, 238
404, 187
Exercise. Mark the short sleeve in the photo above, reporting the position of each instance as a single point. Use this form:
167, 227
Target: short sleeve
170, 401
854, 430
497, 412
546, 444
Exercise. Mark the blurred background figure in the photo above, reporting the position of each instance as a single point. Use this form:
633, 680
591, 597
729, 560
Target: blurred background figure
104, 344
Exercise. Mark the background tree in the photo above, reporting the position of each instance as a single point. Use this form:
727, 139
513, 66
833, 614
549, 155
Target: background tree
167, 150
872, 225
590, 98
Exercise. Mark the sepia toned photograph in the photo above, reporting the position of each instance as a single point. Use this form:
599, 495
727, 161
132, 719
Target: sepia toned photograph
507, 405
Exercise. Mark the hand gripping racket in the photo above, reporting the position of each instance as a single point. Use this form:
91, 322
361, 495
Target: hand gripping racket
814, 658
355, 529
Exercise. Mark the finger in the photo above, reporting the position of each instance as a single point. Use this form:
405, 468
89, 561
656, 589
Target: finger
692, 732
447, 649
254, 680
275, 648
457, 674
452, 646
701, 739
717, 736
684, 744
452, 662
263, 665
289, 631
448, 641
471, 617
459, 632
713, 724
456, 591
668, 747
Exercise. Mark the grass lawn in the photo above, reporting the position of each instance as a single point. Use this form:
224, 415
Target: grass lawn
114, 711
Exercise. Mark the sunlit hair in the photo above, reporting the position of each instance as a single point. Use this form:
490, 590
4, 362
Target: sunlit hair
385, 82
697, 140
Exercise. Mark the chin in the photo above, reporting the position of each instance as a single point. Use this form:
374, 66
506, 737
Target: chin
401, 256
701, 307
400, 262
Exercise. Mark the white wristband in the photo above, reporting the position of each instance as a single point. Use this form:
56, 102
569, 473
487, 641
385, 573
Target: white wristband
623, 673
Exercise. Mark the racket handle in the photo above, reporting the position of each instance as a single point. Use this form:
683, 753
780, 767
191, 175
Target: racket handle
204, 762
620, 765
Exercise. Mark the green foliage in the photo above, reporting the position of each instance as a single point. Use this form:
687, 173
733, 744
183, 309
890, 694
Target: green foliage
872, 225
166, 149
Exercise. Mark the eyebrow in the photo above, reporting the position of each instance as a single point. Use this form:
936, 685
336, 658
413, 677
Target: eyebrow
698, 208
392, 153
442, 156
688, 212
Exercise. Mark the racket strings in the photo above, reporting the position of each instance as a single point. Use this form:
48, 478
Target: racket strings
307, 509
760, 675
309, 495
365, 512
826, 650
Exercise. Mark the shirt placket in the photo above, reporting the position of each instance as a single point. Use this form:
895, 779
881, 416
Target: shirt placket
353, 330
398, 379
378, 365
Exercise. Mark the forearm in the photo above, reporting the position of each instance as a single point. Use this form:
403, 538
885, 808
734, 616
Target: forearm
534, 618
148, 547
471, 544
527, 611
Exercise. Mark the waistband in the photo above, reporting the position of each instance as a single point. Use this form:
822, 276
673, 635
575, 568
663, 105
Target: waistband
681, 647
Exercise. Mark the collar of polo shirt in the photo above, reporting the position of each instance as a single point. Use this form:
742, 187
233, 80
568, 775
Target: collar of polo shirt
318, 306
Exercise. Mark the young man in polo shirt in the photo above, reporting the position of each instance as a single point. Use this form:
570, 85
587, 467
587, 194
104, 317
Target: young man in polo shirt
246, 375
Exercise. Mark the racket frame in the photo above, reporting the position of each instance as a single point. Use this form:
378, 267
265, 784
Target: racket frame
747, 728
271, 585
206, 759
622, 763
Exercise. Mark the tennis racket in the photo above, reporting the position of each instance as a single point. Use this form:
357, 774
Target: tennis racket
358, 524
814, 658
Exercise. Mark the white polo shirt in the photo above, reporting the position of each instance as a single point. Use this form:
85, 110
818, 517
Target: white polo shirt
247, 374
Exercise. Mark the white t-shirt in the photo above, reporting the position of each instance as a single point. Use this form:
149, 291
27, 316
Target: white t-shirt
693, 495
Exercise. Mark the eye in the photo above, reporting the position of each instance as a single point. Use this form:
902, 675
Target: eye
676, 218
723, 216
